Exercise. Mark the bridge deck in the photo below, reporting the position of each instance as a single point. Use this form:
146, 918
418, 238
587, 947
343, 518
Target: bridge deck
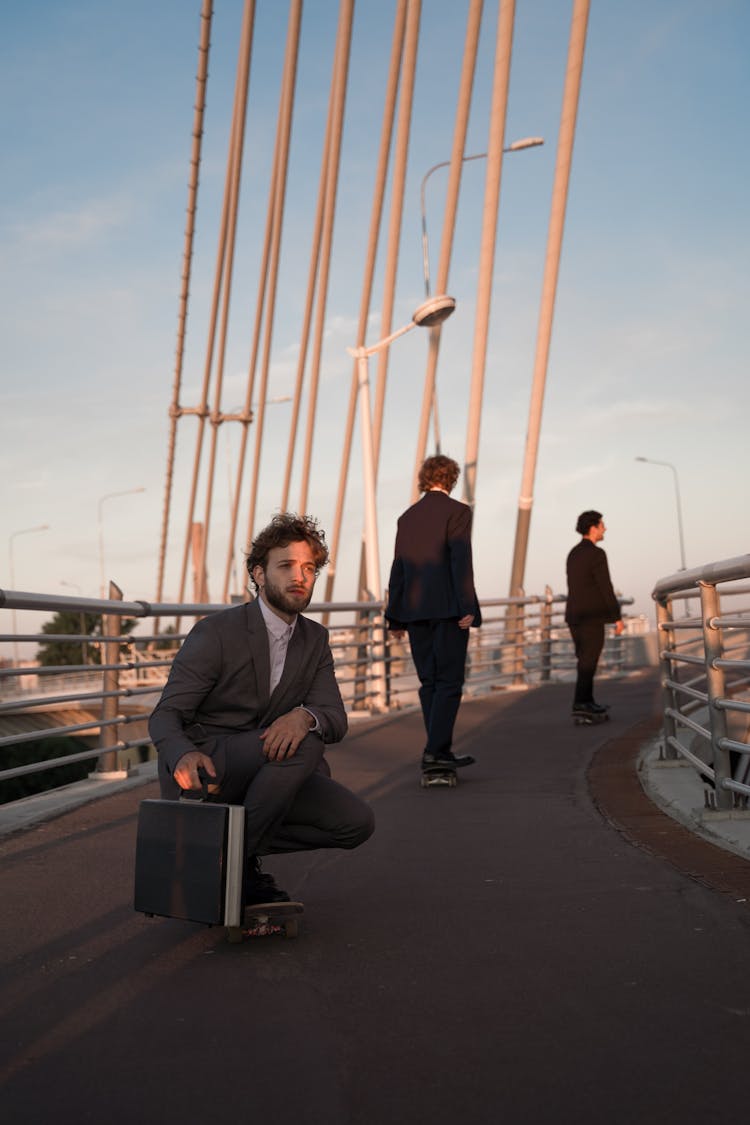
539, 944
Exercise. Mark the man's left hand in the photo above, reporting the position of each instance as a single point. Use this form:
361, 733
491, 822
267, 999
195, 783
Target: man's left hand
284, 735
465, 622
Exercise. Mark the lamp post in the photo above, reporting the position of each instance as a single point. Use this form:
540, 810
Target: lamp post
14, 535
108, 496
668, 465
429, 314
517, 146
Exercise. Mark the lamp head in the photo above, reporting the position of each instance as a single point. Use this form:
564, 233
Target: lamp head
525, 142
434, 311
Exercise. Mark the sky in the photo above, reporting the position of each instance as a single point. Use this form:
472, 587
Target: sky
648, 354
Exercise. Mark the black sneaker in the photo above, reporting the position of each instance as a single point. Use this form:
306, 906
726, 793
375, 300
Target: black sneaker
449, 761
260, 886
589, 708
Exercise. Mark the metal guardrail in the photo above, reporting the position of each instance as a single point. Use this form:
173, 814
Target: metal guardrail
105, 705
705, 662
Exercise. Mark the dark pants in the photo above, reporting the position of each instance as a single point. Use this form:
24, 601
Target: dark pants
438, 649
292, 805
589, 642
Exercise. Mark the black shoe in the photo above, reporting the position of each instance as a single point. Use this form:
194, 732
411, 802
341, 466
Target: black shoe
260, 886
600, 707
448, 761
589, 708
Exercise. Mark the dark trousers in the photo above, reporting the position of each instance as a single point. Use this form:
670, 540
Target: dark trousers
588, 640
438, 649
292, 805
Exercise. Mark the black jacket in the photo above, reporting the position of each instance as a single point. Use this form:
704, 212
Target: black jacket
590, 593
432, 575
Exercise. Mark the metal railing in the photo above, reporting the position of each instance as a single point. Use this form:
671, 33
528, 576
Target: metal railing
705, 663
104, 704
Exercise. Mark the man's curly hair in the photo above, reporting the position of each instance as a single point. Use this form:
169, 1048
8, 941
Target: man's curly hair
438, 472
286, 528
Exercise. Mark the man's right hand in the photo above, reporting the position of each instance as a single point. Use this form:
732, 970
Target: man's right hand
186, 771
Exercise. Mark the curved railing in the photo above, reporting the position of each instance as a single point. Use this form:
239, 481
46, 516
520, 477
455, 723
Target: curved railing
703, 618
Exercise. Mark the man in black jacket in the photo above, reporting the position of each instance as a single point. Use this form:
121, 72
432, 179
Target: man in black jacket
591, 604
431, 596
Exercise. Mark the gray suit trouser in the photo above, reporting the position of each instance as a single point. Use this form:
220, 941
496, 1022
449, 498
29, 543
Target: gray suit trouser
292, 805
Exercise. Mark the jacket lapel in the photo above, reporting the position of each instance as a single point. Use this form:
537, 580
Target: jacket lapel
261, 656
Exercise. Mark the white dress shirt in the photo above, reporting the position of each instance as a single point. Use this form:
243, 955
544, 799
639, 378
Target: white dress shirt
279, 636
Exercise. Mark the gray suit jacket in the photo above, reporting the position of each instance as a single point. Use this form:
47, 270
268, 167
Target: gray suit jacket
220, 682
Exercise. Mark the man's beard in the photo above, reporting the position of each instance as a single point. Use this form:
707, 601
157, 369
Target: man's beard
283, 602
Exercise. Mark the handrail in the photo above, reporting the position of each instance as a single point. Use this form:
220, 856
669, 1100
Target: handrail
717, 744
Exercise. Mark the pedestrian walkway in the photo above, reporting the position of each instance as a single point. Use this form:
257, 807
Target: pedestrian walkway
509, 950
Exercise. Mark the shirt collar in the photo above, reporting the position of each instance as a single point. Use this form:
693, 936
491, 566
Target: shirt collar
276, 627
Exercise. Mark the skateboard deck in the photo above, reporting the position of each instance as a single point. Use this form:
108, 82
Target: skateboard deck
264, 919
439, 775
586, 719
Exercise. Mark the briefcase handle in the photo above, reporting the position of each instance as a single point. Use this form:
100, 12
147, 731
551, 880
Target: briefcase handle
194, 794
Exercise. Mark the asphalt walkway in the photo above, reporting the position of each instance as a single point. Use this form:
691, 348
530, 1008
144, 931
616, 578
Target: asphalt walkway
532, 946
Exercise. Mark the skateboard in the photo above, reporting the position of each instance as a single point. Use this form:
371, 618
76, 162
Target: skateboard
586, 719
438, 775
265, 918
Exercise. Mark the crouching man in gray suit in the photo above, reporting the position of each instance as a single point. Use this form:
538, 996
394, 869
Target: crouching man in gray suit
251, 701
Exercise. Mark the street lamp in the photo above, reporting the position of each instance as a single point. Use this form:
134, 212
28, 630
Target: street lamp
517, 146
108, 496
667, 465
429, 314
14, 535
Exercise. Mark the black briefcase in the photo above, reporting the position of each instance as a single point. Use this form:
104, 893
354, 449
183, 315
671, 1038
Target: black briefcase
190, 861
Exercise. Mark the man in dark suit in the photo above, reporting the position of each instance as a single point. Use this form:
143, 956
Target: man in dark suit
251, 701
431, 596
591, 604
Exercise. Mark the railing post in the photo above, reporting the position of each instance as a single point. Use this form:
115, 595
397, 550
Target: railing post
376, 685
713, 645
107, 765
545, 636
665, 641
519, 647
361, 628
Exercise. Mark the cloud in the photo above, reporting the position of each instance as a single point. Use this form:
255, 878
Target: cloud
63, 230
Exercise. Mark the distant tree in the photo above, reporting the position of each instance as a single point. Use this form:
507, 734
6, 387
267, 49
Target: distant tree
56, 653
167, 638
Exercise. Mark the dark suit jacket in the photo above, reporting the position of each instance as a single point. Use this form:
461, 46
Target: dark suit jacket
220, 679
432, 575
590, 593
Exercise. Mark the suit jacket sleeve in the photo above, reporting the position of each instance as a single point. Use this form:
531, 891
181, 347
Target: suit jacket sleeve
395, 593
606, 590
196, 671
462, 569
309, 680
